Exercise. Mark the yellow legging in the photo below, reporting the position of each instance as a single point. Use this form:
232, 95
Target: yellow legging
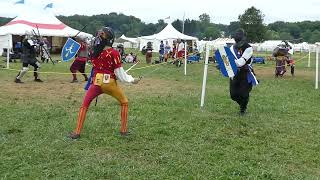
111, 89
115, 91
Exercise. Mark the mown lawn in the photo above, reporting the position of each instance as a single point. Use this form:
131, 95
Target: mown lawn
170, 136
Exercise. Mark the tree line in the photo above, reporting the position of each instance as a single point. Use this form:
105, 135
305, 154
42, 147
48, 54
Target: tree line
252, 21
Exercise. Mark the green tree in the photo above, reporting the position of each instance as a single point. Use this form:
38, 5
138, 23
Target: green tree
177, 24
315, 37
272, 35
252, 22
233, 27
278, 26
212, 33
204, 18
306, 36
160, 25
285, 36
294, 30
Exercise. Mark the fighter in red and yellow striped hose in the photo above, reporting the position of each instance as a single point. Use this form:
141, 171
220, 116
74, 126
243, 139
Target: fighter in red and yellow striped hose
107, 70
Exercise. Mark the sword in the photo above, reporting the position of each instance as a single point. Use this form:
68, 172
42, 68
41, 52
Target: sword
81, 30
43, 48
132, 66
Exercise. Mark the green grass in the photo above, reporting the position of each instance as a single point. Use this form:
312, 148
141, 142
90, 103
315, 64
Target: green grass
170, 136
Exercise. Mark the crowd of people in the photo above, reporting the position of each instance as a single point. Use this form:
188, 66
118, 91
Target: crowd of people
176, 51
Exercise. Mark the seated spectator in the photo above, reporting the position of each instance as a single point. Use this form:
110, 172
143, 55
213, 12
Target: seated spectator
129, 58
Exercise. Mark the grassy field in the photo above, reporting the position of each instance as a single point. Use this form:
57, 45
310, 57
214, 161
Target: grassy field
170, 136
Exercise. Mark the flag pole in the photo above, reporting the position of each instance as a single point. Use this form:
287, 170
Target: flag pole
185, 57
183, 23
8, 51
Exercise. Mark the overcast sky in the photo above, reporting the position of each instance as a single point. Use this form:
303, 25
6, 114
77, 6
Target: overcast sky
150, 11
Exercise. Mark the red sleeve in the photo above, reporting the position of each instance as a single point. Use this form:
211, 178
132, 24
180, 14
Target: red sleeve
116, 58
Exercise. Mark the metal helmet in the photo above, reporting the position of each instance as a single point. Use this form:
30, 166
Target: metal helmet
105, 37
109, 36
28, 35
239, 35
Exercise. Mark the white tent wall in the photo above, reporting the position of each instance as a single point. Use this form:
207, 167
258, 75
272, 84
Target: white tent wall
302, 47
6, 42
201, 45
127, 45
169, 33
272, 44
127, 42
130, 45
155, 43
268, 45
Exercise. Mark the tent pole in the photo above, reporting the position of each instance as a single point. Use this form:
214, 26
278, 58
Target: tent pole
8, 52
205, 73
185, 57
8, 57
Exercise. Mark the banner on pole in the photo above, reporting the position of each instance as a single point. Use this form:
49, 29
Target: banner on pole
226, 62
70, 49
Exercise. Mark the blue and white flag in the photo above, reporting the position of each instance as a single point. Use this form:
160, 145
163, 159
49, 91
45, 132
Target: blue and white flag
251, 77
70, 49
19, 2
226, 61
48, 6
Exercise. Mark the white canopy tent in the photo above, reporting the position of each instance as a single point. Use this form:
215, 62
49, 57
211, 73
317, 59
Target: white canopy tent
127, 42
37, 22
269, 45
47, 23
303, 47
169, 33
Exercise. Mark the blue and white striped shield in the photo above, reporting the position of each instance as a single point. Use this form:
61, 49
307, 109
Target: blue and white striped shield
70, 49
226, 61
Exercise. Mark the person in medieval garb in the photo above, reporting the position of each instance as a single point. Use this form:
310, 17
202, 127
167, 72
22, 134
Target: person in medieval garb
180, 52
45, 50
161, 52
107, 70
28, 57
149, 50
120, 48
174, 49
79, 64
241, 84
281, 56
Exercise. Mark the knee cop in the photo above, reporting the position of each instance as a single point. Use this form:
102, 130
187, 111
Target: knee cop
22, 72
38, 66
